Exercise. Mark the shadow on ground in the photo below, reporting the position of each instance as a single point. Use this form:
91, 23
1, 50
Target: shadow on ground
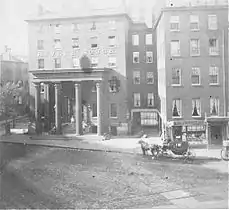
180, 160
12, 151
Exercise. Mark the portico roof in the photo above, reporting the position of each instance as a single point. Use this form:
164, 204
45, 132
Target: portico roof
60, 75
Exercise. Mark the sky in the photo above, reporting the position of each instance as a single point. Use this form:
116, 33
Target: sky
13, 13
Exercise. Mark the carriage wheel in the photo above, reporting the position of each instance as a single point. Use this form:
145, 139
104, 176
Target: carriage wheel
189, 156
225, 154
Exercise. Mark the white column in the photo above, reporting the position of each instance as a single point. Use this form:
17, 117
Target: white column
78, 109
99, 110
47, 101
57, 108
37, 107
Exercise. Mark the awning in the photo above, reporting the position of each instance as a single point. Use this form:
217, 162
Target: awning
217, 119
185, 123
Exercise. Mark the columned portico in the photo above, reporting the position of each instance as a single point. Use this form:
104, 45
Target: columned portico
76, 78
57, 107
78, 109
99, 110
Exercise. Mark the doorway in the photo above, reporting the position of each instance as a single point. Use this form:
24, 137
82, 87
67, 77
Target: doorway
216, 135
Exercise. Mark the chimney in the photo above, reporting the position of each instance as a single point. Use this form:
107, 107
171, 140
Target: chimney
40, 9
7, 54
6, 48
141, 14
125, 7
153, 19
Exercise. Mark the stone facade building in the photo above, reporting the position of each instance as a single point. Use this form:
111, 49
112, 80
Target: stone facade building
81, 70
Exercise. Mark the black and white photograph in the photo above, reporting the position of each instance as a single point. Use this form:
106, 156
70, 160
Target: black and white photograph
114, 104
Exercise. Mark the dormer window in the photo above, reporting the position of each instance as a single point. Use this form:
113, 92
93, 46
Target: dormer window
93, 27
75, 27
94, 42
57, 28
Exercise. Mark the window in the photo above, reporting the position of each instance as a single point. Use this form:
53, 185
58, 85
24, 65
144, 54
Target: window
150, 99
176, 76
149, 118
176, 108
149, 39
112, 61
94, 62
150, 78
137, 100
40, 28
94, 89
135, 57
57, 62
41, 63
212, 22
194, 22
42, 87
136, 77
76, 62
213, 47
75, 42
112, 24
112, 41
94, 110
214, 75
174, 23
19, 99
135, 39
40, 44
113, 110
114, 85
196, 107
94, 42
214, 106
194, 47
93, 27
57, 43
149, 57
57, 28
175, 48
75, 27
195, 76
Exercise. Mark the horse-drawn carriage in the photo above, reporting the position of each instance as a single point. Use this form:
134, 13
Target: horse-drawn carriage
176, 148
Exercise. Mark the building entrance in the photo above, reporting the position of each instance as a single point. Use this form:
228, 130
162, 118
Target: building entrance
216, 135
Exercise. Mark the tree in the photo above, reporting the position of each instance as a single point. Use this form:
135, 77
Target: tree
7, 105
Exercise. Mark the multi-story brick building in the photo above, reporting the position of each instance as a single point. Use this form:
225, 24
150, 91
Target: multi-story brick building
142, 77
80, 68
192, 64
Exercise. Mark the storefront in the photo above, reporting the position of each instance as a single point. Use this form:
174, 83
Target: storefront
145, 119
192, 130
216, 131
212, 131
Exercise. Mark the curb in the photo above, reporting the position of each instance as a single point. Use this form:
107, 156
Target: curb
111, 150
69, 147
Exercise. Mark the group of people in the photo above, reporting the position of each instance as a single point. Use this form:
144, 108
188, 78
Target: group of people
84, 124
